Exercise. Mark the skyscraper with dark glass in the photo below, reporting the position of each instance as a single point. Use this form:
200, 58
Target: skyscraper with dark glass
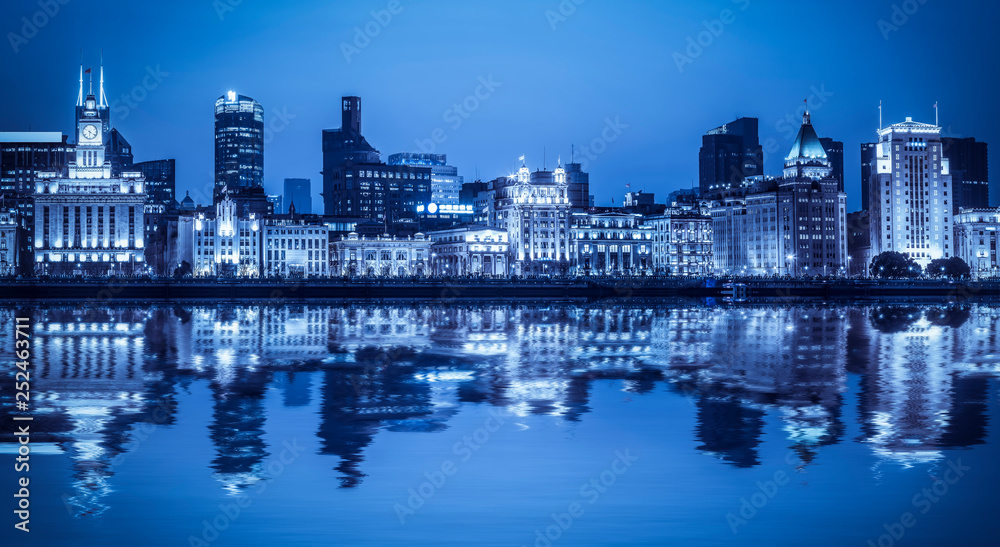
161, 181
835, 153
969, 171
868, 151
729, 154
239, 144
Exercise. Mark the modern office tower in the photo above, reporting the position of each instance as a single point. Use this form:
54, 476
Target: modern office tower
835, 153
969, 164
729, 154
867, 160
161, 181
535, 212
911, 194
239, 144
794, 225
89, 221
578, 186
446, 184
357, 184
119, 153
976, 240
22, 155
298, 192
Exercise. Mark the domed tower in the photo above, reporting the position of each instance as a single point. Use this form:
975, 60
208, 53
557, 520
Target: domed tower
807, 158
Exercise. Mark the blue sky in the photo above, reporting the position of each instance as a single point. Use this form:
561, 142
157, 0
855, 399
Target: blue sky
604, 76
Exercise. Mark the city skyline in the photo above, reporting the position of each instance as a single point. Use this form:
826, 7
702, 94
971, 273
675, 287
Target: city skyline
539, 121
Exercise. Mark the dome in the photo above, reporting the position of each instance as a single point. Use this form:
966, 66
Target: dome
807, 145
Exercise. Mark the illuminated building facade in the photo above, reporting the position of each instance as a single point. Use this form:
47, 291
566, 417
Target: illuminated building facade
610, 244
793, 225
9, 255
682, 242
446, 183
89, 221
226, 243
536, 215
470, 250
976, 240
380, 256
911, 193
239, 144
295, 249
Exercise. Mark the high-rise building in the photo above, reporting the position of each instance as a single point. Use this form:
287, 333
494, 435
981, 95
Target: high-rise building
239, 144
911, 194
835, 153
22, 155
298, 192
446, 183
161, 181
89, 221
969, 164
868, 150
119, 153
357, 184
729, 154
793, 225
578, 187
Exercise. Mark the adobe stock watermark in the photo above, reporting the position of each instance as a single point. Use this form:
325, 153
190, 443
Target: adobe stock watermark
280, 120
223, 7
363, 35
612, 130
590, 492
697, 44
230, 512
437, 478
459, 112
923, 500
30, 26
765, 492
562, 12
900, 15
123, 105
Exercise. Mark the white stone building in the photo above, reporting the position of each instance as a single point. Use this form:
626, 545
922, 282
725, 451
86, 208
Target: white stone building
226, 244
8, 244
976, 240
535, 214
89, 222
611, 244
294, 248
682, 242
381, 256
911, 194
470, 250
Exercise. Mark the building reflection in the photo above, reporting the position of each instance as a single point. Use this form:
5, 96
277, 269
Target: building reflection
103, 375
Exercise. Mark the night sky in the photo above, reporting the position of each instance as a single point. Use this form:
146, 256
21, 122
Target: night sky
558, 78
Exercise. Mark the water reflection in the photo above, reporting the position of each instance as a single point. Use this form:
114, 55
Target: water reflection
101, 375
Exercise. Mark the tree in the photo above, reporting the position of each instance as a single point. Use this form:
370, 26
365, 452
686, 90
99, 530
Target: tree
949, 267
895, 264
182, 270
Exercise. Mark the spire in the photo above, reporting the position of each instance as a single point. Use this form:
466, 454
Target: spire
79, 98
805, 116
103, 100
91, 83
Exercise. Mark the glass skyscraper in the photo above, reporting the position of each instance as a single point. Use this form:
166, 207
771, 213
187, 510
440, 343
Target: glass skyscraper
239, 144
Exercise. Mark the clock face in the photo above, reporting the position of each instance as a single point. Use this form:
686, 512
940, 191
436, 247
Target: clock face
90, 131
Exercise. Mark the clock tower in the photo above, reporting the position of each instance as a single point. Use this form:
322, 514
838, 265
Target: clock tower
90, 149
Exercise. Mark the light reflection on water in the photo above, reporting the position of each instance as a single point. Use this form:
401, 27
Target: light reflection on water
104, 377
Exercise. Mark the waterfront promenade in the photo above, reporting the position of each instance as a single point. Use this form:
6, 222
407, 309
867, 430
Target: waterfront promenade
98, 290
